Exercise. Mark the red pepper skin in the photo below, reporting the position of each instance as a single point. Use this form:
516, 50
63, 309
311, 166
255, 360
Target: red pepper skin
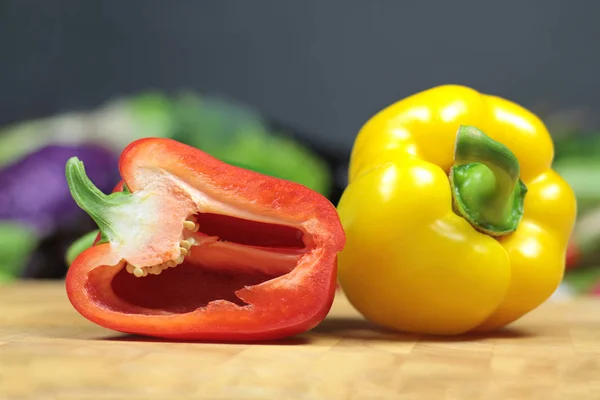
284, 306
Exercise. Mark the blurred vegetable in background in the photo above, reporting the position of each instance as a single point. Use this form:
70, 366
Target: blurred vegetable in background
243, 140
34, 187
577, 160
41, 219
17, 241
35, 203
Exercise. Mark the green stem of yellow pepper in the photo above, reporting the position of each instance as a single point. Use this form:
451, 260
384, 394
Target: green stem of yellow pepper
486, 187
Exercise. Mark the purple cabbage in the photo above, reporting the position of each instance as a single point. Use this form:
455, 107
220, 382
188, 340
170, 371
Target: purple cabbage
34, 191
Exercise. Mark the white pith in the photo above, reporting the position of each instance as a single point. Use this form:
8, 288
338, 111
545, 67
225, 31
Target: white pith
125, 220
141, 221
185, 246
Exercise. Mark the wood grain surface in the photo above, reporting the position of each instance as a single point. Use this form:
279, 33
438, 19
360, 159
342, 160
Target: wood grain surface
48, 351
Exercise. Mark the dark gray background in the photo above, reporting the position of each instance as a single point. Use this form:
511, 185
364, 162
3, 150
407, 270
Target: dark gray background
321, 66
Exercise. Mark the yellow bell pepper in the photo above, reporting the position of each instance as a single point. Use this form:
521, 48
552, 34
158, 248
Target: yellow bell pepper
455, 220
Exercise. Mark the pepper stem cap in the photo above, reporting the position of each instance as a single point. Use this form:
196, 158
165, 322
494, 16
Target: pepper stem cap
486, 186
99, 206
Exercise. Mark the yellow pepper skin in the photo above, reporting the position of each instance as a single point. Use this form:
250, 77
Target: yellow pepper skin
411, 263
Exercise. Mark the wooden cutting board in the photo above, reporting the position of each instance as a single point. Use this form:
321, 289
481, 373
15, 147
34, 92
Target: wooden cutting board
47, 351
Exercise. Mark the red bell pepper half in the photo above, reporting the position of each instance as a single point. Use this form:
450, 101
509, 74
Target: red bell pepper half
197, 249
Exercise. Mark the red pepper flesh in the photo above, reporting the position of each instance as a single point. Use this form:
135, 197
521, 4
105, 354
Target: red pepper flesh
261, 264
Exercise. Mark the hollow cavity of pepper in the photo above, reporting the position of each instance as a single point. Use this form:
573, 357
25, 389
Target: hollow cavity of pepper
225, 255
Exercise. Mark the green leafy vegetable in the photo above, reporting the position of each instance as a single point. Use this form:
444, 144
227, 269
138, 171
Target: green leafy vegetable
16, 244
238, 135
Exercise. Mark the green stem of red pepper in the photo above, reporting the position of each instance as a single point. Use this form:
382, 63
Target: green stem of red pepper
102, 208
486, 186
